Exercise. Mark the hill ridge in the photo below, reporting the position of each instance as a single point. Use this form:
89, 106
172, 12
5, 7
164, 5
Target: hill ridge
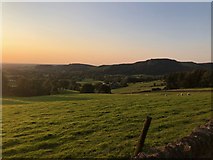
156, 66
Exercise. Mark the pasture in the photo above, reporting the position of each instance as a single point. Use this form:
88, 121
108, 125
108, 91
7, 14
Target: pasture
139, 87
97, 125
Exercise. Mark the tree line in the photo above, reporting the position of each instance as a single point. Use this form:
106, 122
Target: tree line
34, 83
30, 83
25, 86
193, 79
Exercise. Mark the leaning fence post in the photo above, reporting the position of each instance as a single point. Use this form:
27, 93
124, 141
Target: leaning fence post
143, 135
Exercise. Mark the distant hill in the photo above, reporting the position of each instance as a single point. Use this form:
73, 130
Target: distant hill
153, 67
148, 67
76, 67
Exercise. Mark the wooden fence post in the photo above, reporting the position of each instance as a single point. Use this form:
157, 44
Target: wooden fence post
143, 135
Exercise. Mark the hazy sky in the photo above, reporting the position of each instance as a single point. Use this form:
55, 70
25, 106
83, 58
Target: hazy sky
105, 33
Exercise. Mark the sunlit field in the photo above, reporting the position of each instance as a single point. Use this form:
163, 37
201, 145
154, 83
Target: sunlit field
139, 87
97, 125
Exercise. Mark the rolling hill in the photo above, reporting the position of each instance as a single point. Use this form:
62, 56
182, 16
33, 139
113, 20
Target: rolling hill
148, 67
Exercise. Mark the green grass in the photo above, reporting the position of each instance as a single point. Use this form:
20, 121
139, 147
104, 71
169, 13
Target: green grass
69, 92
97, 125
139, 87
193, 89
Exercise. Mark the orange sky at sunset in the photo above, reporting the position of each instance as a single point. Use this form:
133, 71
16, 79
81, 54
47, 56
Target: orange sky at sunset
62, 33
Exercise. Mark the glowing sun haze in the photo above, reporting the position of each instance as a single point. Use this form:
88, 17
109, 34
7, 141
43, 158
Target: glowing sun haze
105, 33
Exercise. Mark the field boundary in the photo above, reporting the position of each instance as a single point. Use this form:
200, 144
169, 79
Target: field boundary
190, 90
179, 90
198, 144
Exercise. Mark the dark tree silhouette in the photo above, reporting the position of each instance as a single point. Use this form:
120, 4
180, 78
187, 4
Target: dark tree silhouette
87, 88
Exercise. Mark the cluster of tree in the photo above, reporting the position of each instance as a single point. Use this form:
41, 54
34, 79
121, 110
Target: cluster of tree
119, 81
46, 80
96, 88
141, 78
115, 81
193, 79
25, 86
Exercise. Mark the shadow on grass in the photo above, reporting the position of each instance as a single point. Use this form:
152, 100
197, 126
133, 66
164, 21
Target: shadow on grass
51, 98
13, 101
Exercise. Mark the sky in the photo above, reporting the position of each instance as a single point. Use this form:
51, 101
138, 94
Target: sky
105, 33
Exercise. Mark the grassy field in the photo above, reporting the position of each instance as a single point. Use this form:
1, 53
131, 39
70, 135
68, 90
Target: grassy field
97, 125
139, 87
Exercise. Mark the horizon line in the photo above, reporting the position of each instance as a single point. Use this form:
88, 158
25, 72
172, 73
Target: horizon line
12, 63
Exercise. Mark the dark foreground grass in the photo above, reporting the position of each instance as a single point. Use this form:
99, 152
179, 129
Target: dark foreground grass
91, 125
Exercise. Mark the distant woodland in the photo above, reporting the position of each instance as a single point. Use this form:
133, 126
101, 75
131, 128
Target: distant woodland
36, 80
